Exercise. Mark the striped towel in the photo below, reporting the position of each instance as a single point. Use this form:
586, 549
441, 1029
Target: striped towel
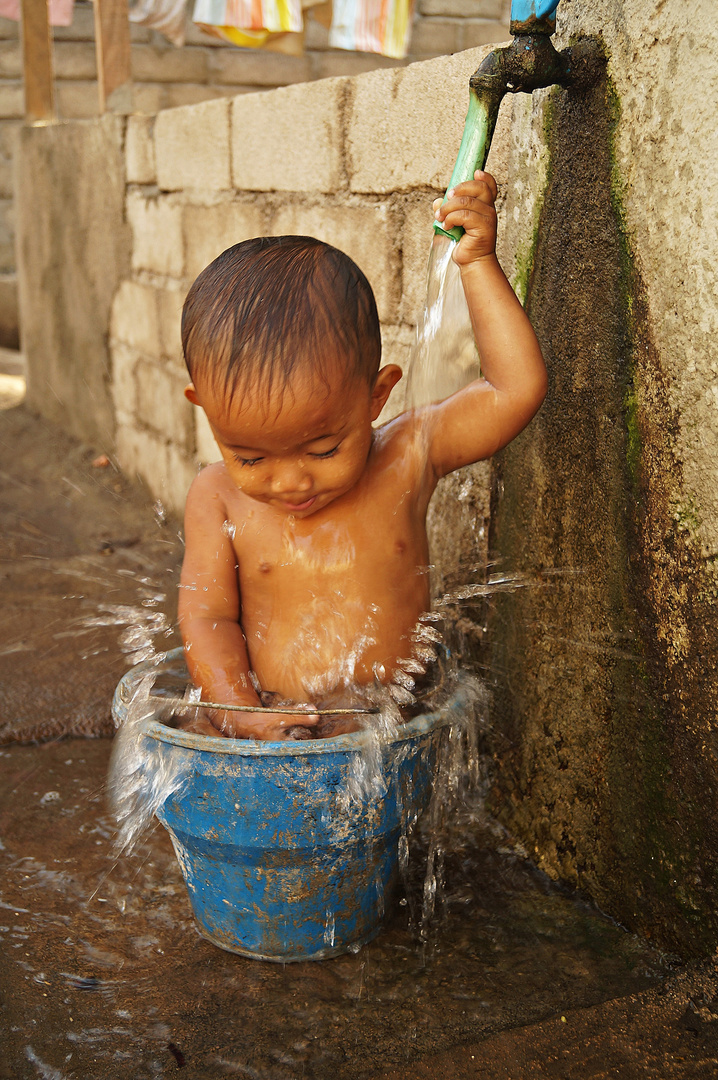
249, 23
374, 26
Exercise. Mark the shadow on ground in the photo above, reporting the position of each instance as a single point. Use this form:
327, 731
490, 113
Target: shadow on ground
104, 976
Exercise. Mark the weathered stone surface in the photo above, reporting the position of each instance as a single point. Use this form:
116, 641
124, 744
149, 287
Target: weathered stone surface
367, 233
73, 249
156, 223
415, 246
436, 37
12, 102
75, 60
192, 147
135, 318
169, 313
10, 60
396, 342
207, 449
76, 100
209, 230
168, 64
468, 9
259, 69
161, 403
405, 126
140, 150
304, 150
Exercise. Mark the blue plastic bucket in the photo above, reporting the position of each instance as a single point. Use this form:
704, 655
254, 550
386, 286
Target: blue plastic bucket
279, 862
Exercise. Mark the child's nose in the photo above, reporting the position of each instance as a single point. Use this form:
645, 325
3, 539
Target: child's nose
290, 476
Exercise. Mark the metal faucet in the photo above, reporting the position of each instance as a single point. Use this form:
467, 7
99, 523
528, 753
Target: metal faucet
528, 63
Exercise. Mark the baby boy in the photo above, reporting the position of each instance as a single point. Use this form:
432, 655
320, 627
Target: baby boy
306, 548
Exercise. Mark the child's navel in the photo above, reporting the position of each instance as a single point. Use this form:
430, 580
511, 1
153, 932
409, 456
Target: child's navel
265, 567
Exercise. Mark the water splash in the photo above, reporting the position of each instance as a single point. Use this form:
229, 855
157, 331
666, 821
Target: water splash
444, 357
142, 773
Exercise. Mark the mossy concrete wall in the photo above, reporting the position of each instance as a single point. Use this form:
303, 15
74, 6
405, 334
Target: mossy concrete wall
604, 663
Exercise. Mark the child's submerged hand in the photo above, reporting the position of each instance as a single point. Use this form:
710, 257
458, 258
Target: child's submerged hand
262, 724
471, 206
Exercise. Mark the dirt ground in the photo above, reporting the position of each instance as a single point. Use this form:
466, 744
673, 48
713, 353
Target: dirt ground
103, 973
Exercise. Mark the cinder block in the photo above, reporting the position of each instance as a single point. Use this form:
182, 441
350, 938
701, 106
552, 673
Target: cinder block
134, 320
178, 94
475, 32
156, 224
10, 60
416, 245
195, 36
161, 403
368, 233
8, 136
75, 60
435, 37
140, 150
463, 9
302, 134
316, 36
77, 100
149, 97
405, 126
167, 470
396, 344
258, 68
9, 29
192, 147
206, 448
209, 230
83, 25
12, 101
6, 178
144, 454
181, 471
124, 360
168, 64
170, 303
329, 65
9, 315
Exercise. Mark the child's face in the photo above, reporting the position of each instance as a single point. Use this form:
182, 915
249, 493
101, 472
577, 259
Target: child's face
305, 451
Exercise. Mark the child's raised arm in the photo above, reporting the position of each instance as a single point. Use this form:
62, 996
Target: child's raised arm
486, 415
209, 617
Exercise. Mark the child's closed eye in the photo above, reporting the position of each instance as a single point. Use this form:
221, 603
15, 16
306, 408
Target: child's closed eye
247, 461
326, 453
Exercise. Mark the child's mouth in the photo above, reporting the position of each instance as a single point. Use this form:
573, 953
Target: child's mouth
294, 508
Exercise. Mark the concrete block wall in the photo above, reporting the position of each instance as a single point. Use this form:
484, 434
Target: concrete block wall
166, 77
334, 162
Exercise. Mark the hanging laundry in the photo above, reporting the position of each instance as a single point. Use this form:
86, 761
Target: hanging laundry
250, 24
373, 26
59, 11
169, 17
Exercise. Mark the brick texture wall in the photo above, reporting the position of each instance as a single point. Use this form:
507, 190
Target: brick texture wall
165, 77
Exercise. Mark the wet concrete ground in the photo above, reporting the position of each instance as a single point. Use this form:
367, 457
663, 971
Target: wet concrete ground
103, 974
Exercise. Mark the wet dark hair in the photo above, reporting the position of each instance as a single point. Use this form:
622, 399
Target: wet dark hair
269, 308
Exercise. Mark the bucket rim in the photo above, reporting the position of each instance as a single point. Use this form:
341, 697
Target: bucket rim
450, 712
424, 724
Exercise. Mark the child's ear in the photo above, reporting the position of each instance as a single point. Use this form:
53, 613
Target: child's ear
384, 383
191, 394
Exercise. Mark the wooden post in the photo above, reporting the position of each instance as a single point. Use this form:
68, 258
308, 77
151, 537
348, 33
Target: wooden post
37, 62
112, 46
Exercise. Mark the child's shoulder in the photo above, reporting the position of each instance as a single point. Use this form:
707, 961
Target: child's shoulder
211, 488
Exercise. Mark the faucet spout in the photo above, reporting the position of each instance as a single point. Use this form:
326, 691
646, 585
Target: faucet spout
527, 64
